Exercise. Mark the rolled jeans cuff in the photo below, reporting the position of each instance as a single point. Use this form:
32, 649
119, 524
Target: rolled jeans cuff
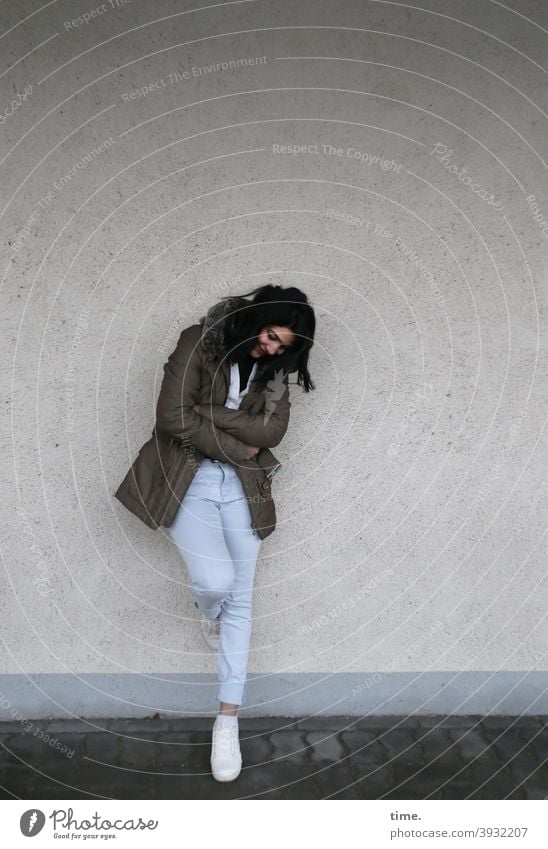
232, 693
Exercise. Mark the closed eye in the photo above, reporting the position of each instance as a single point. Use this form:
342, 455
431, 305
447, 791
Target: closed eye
272, 335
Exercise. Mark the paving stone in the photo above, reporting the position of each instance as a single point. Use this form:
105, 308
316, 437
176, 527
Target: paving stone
435, 743
505, 743
416, 793
265, 725
119, 788
192, 787
138, 727
425, 790
57, 774
493, 776
5, 794
443, 785
93, 776
480, 781
504, 721
168, 772
333, 777
303, 789
329, 724
167, 760
380, 724
256, 749
526, 733
290, 745
399, 742
526, 769
525, 773
61, 761
446, 770
162, 725
49, 759
17, 776
137, 754
536, 790
537, 737
440, 773
9, 728
455, 787
199, 750
500, 790
251, 781
510, 748
413, 772
72, 726
325, 747
364, 748
519, 793
26, 747
539, 747
451, 721
193, 758
469, 745
174, 752
104, 747
531, 724
375, 780
492, 734
50, 726
458, 787
41, 754
356, 790
511, 725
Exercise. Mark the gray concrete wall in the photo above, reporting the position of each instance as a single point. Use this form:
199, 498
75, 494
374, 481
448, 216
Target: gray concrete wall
391, 162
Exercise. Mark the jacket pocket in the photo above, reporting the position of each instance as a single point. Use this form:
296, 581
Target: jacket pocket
268, 462
264, 485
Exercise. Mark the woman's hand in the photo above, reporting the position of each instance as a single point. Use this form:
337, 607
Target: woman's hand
251, 451
196, 408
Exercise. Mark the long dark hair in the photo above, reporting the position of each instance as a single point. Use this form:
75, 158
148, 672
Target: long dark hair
275, 305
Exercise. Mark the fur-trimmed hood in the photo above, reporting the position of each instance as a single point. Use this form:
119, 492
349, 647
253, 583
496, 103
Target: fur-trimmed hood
213, 326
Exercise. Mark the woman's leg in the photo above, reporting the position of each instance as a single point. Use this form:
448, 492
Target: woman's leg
198, 533
243, 543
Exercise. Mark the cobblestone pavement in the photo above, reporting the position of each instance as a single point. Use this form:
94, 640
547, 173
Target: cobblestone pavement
426, 757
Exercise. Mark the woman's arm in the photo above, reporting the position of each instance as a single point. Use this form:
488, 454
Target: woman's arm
179, 392
265, 430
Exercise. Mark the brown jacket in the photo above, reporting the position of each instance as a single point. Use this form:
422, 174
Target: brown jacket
195, 373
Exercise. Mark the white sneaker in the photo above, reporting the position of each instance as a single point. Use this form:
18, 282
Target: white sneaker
226, 758
211, 629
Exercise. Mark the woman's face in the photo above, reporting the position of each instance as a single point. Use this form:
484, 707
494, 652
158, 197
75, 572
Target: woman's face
273, 341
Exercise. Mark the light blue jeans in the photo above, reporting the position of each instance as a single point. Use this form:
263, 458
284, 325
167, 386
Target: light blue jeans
214, 534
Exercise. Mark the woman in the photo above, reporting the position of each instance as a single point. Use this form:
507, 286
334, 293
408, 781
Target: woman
206, 472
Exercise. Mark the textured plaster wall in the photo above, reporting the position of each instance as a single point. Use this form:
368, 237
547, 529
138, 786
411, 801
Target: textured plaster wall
388, 160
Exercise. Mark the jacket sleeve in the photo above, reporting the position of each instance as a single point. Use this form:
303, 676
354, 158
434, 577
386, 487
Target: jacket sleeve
179, 392
264, 430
